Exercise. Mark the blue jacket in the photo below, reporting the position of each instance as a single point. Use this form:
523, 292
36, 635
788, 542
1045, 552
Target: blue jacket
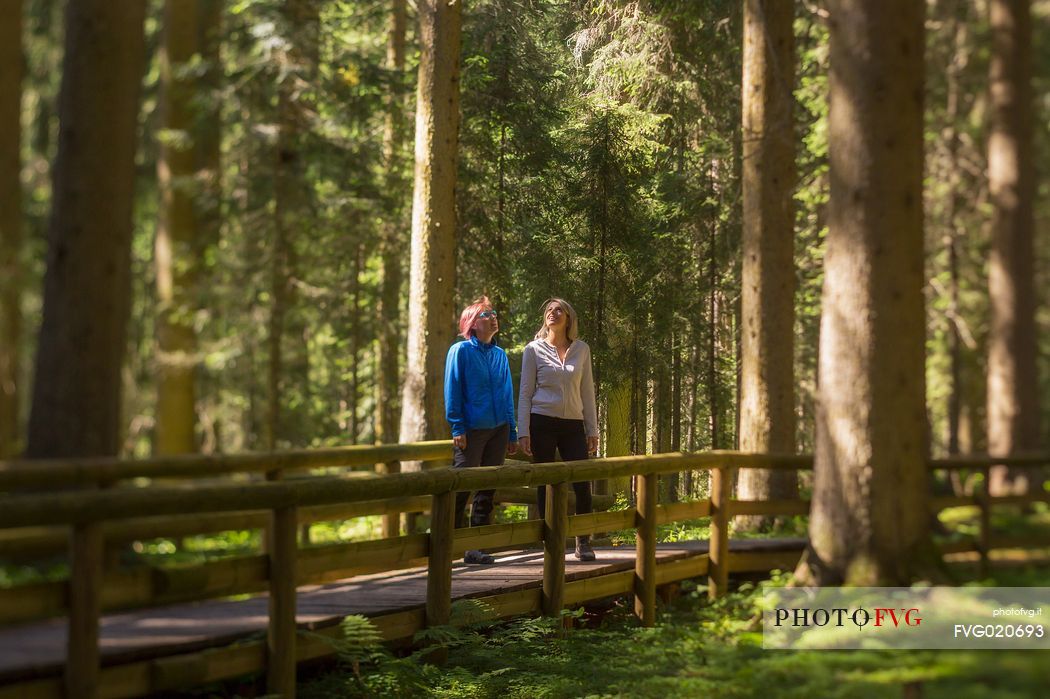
479, 393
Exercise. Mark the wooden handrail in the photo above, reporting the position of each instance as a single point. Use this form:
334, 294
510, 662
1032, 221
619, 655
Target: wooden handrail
954, 463
91, 506
73, 507
45, 473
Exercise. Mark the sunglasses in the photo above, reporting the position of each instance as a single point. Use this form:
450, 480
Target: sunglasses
488, 314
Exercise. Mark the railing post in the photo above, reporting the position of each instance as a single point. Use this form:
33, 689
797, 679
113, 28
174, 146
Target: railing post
718, 553
555, 530
391, 520
280, 641
85, 607
984, 525
645, 550
439, 566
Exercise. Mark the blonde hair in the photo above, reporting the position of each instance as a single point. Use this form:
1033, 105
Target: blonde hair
571, 324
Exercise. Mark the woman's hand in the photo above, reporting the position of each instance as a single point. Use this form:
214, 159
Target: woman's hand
512, 448
592, 445
525, 444
460, 441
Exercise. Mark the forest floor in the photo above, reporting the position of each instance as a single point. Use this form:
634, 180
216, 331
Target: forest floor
697, 649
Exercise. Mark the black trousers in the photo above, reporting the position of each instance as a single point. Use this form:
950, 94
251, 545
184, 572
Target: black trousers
569, 438
484, 448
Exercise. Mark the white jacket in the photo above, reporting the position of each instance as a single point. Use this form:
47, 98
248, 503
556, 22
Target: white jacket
549, 387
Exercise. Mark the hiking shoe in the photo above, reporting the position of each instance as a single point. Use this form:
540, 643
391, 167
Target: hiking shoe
584, 552
479, 557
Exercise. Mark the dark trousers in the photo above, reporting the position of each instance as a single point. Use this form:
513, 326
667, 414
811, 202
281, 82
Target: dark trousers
570, 440
484, 448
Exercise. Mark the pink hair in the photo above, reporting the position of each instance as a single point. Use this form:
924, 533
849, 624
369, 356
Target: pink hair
470, 314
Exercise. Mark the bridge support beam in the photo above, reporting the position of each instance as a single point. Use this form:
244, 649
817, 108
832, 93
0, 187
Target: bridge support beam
645, 546
85, 607
718, 561
439, 567
280, 639
555, 530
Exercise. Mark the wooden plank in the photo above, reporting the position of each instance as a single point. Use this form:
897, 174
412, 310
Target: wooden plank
762, 561
594, 523
960, 546
30, 541
1019, 541
64, 508
645, 550
555, 529
599, 587
85, 607
527, 496
495, 536
943, 502
980, 461
43, 473
681, 569
281, 635
337, 561
1027, 499
50, 688
768, 507
721, 485
678, 511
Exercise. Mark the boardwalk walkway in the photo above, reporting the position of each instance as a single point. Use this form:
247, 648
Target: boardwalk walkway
38, 650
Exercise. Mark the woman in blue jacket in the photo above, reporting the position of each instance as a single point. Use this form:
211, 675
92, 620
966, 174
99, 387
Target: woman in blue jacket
479, 406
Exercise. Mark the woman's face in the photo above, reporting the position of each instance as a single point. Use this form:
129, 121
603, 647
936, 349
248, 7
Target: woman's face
486, 324
555, 317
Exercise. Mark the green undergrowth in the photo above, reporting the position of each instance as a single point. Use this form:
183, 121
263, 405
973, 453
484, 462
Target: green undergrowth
697, 649
1015, 521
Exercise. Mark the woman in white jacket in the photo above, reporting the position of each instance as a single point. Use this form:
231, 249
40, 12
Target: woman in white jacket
556, 407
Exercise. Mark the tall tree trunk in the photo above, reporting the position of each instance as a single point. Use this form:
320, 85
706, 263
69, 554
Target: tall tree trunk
177, 244
299, 62
432, 280
618, 430
209, 197
76, 390
767, 379
12, 59
953, 235
869, 522
1013, 403
392, 243
714, 426
355, 344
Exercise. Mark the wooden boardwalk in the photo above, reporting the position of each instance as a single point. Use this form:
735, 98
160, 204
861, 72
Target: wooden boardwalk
38, 650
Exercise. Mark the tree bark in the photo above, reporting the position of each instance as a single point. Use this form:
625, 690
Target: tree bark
392, 243
869, 522
76, 390
618, 430
177, 245
431, 315
767, 382
11, 57
1013, 402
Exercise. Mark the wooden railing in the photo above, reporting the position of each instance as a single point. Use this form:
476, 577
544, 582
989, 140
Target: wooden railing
94, 513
